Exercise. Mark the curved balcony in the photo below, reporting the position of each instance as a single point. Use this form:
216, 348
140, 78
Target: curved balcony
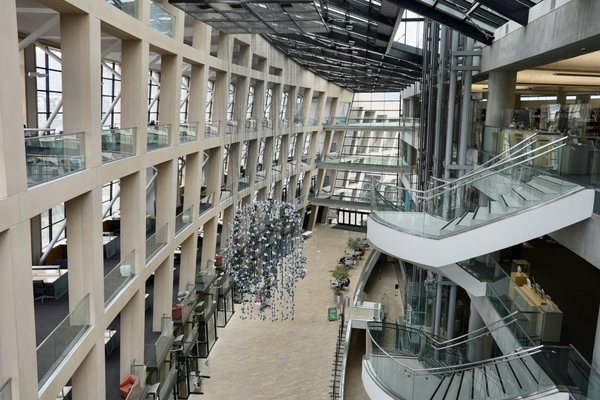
508, 201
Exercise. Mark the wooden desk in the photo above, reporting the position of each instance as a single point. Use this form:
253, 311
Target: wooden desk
55, 279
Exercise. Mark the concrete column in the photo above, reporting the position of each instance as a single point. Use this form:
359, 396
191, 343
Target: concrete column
475, 348
131, 331
437, 313
220, 99
163, 292
213, 171
500, 105
133, 218
165, 197
84, 249
17, 330
197, 105
225, 47
233, 167
88, 379
201, 36
465, 121
228, 214
277, 190
170, 94
268, 156
209, 242
251, 160
291, 108
451, 311
189, 247
31, 87
276, 105
134, 89
321, 107
80, 48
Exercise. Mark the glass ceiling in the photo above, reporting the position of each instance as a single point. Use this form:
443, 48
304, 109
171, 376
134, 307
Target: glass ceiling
362, 45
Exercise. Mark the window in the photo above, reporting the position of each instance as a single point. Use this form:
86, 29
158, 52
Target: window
268, 101
185, 96
284, 104
49, 87
250, 106
153, 96
231, 103
210, 95
52, 221
111, 88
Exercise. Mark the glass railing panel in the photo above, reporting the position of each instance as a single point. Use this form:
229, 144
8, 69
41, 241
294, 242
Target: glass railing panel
183, 219
261, 176
206, 204
187, 300
231, 128
118, 144
127, 6
54, 156
52, 351
226, 192
156, 242
166, 386
137, 379
244, 183
211, 129
118, 277
567, 368
276, 171
298, 122
312, 121
5, 391
159, 136
161, 20
251, 125
155, 353
283, 123
267, 126
188, 133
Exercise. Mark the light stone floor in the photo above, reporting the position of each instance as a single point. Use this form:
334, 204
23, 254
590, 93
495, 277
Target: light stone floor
284, 360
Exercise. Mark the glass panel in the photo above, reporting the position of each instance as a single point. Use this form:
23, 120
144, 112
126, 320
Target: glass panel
206, 203
127, 6
62, 339
188, 133
244, 183
226, 191
155, 353
156, 242
161, 20
5, 393
117, 279
211, 129
159, 136
183, 219
54, 156
118, 144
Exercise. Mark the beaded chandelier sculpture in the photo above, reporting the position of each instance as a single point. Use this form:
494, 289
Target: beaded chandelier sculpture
265, 259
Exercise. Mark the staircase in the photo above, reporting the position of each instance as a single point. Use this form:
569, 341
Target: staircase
498, 205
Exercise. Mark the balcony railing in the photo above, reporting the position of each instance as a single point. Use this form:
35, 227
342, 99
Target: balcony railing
118, 277
156, 242
54, 156
211, 129
206, 203
244, 183
226, 192
159, 136
232, 128
53, 350
183, 219
118, 144
161, 20
5, 391
186, 304
188, 133
261, 176
127, 6
138, 389
155, 353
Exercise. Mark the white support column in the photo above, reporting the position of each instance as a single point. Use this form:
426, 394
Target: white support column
500, 105
17, 330
451, 311
209, 242
88, 379
163, 293
170, 94
134, 89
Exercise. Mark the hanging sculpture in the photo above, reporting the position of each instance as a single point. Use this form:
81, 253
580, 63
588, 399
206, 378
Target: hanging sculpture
265, 259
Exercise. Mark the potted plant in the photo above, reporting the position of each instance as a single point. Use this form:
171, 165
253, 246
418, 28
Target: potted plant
355, 243
340, 273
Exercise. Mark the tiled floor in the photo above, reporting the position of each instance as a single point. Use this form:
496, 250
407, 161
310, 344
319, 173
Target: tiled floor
284, 360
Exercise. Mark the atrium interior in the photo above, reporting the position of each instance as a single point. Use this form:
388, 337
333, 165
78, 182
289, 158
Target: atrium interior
318, 199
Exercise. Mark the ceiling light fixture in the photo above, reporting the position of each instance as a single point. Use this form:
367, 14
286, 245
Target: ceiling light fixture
584, 74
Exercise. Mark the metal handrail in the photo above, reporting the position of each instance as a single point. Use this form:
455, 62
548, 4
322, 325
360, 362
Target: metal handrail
471, 180
485, 328
478, 171
458, 367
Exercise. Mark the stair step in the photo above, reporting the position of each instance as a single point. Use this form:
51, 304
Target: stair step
544, 186
451, 225
556, 180
467, 219
498, 208
529, 193
483, 213
513, 200
512, 385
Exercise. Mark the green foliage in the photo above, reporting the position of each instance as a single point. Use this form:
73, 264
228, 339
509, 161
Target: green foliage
340, 272
355, 243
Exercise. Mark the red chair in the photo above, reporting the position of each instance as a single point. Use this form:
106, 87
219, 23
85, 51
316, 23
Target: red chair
177, 312
127, 384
